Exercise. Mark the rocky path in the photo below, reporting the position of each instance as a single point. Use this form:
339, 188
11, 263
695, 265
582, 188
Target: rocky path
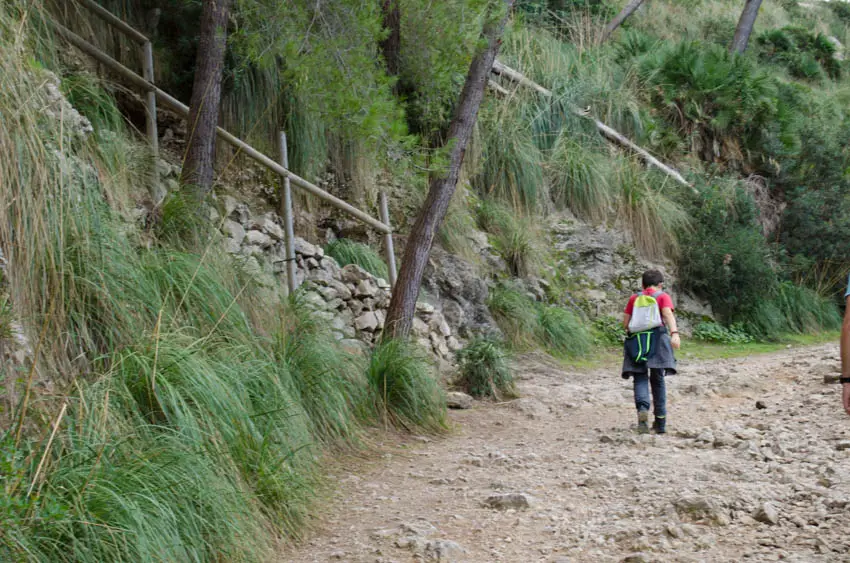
561, 476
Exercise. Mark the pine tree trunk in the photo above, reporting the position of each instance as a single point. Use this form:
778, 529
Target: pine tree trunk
418, 249
199, 159
745, 26
391, 46
621, 17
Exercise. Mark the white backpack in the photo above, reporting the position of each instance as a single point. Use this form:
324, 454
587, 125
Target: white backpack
646, 314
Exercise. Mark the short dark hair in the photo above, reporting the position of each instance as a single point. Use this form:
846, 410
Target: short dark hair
652, 277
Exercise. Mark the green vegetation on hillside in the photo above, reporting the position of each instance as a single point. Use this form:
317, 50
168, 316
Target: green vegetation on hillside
173, 414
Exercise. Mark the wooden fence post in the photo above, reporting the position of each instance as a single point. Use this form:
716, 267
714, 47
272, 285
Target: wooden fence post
286, 212
150, 98
388, 238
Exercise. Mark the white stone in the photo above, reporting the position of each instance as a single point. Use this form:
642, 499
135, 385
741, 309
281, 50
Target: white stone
258, 238
305, 249
458, 400
234, 231
368, 322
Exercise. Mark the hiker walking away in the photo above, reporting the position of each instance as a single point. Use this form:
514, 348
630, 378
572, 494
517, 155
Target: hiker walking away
845, 353
648, 352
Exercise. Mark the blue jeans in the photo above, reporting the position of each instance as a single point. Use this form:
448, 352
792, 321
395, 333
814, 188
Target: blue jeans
659, 391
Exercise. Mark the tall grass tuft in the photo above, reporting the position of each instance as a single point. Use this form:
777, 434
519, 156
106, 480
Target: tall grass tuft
563, 333
646, 211
189, 413
515, 314
578, 179
485, 370
404, 387
512, 171
516, 239
346, 251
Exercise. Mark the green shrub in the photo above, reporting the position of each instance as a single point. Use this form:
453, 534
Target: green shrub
527, 324
715, 100
609, 329
563, 333
806, 55
346, 251
725, 257
485, 370
716, 332
404, 387
805, 311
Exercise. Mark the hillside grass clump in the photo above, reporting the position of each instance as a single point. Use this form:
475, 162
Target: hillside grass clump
562, 332
404, 387
346, 251
527, 324
485, 369
516, 238
188, 407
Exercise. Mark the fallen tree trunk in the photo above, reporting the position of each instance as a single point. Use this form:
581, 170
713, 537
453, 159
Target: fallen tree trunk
630, 8
609, 133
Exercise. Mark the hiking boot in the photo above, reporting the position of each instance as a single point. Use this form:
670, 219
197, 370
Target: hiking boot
643, 422
660, 425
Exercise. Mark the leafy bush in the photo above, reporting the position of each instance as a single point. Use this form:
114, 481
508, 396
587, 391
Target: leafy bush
716, 100
346, 251
716, 332
842, 10
484, 369
806, 54
725, 257
404, 387
609, 329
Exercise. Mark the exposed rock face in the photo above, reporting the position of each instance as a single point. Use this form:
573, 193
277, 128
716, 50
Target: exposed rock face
351, 300
452, 285
608, 270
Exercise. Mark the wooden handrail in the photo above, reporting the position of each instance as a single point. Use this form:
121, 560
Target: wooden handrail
114, 20
224, 135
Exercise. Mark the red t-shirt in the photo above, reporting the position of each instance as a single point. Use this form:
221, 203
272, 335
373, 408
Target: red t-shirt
664, 301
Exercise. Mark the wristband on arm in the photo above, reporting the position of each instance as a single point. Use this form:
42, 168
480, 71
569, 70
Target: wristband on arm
844, 379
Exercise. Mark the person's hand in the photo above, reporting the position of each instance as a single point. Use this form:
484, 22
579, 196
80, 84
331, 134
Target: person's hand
677, 342
845, 397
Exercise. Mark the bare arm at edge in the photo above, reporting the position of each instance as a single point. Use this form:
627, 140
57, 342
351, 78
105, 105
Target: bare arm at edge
845, 358
670, 323
845, 342
626, 318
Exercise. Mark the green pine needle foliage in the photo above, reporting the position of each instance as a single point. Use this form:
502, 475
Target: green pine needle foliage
485, 369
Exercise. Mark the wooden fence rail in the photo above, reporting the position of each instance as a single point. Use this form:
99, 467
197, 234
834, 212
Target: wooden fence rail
154, 94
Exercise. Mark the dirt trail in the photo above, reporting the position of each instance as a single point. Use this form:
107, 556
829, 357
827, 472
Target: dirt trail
729, 482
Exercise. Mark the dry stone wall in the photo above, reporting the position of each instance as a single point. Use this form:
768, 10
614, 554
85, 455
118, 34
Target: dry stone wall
351, 300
